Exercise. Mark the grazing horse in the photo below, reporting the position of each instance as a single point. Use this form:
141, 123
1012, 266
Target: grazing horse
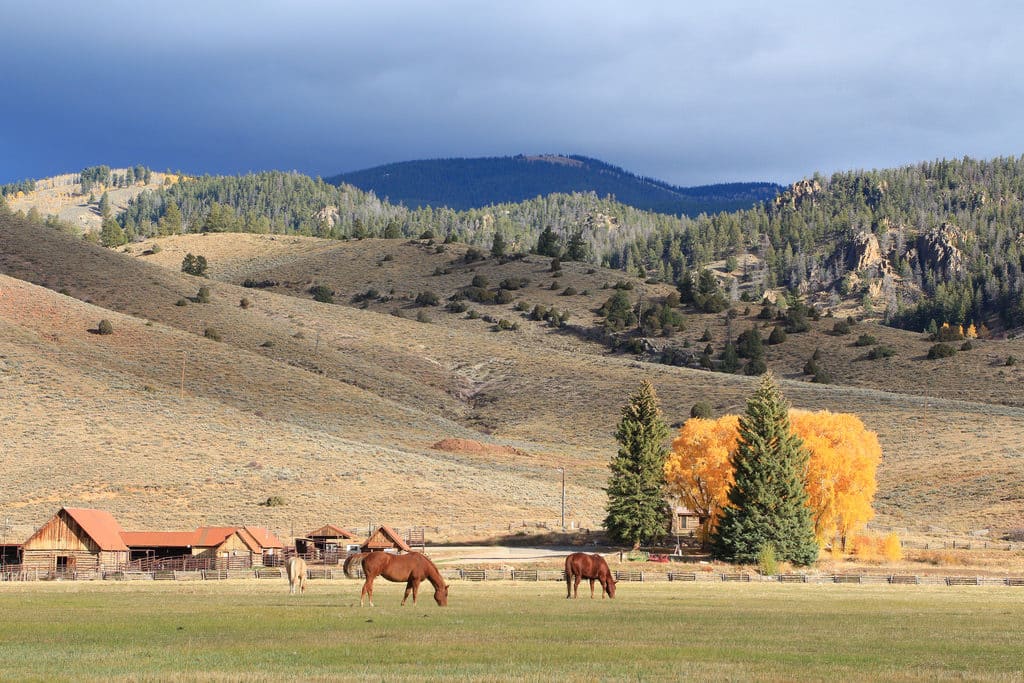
411, 568
582, 566
296, 570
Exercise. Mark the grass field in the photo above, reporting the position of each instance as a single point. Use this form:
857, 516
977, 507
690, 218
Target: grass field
255, 630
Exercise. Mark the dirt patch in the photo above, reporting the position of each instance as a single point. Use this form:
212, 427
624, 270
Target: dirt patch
471, 446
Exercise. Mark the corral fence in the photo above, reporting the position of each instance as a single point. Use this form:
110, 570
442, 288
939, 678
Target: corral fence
12, 573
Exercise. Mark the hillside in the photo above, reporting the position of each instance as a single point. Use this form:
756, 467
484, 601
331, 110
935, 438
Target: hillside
463, 184
336, 408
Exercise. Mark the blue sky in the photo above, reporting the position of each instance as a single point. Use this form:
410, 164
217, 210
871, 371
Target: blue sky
687, 93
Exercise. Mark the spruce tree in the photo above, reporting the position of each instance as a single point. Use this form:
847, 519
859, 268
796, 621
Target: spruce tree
637, 511
768, 501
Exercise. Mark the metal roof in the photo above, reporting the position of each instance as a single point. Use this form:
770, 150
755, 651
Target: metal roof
158, 539
100, 525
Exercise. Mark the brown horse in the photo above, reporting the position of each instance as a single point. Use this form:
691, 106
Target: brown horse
593, 567
411, 568
296, 570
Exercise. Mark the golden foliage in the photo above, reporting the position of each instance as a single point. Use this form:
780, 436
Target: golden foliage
840, 475
892, 548
699, 469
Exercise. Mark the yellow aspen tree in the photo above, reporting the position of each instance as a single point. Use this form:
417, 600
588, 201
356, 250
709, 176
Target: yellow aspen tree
841, 474
699, 469
841, 482
972, 331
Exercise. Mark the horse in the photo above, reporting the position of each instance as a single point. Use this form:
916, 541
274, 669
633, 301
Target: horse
296, 570
411, 568
582, 566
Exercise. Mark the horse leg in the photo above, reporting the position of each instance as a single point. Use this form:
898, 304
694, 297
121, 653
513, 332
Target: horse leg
591, 589
568, 586
576, 586
409, 589
415, 589
367, 591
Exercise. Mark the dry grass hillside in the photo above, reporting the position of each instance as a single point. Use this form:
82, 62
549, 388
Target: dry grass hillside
337, 409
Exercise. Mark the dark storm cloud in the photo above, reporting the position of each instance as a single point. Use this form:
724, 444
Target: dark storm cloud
689, 94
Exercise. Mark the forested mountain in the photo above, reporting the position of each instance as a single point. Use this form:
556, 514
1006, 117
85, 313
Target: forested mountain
941, 240
473, 183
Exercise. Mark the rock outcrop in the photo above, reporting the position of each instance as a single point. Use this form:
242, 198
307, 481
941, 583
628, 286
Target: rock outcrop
938, 250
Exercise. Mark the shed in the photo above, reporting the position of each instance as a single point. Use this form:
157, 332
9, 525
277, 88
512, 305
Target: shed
329, 541
158, 544
686, 522
385, 538
244, 545
76, 539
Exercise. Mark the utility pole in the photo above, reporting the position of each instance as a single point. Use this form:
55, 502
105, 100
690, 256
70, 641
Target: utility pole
184, 356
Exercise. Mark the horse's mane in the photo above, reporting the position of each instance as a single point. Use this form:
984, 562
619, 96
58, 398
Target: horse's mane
352, 562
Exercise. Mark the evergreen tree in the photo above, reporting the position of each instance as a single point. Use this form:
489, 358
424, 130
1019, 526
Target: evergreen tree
170, 222
637, 511
111, 234
498, 246
547, 243
768, 501
577, 249
104, 207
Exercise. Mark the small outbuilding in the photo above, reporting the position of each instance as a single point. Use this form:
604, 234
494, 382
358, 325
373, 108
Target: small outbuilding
76, 540
329, 542
387, 539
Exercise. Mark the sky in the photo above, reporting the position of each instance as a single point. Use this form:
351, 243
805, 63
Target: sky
688, 92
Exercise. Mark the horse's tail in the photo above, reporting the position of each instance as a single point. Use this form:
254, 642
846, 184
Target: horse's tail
353, 562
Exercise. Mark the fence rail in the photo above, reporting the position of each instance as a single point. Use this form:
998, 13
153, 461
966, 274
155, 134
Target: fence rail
13, 573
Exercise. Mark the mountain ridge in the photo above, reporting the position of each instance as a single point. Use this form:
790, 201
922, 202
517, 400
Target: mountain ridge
463, 183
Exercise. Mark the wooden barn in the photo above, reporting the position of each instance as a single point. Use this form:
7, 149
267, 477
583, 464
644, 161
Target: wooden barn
387, 539
686, 522
241, 546
76, 540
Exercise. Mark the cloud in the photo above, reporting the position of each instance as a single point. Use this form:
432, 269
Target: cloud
690, 94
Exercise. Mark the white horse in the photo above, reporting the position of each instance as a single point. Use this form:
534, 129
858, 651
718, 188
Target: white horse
296, 569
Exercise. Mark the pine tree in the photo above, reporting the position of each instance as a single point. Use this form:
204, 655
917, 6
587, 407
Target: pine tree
768, 501
636, 489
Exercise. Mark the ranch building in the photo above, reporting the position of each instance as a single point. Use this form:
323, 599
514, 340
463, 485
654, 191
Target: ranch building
387, 539
686, 522
76, 540
328, 543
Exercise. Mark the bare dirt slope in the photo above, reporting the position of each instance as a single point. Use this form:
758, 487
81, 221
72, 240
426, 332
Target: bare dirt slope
336, 409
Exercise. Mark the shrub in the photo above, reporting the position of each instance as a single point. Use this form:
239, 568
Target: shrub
480, 281
472, 314
504, 296
941, 350
322, 293
866, 548
194, 265
706, 337
181, 302
274, 502
427, 298
203, 295
244, 302
767, 565
1011, 360
701, 410
473, 254
105, 327
755, 366
457, 307
423, 317
966, 346
156, 249
892, 549
569, 291
865, 340
822, 376
777, 336
811, 367
880, 352
504, 324
840, 327
211, 333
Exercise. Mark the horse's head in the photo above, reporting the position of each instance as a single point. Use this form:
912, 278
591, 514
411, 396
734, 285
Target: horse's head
610, 587
441, 595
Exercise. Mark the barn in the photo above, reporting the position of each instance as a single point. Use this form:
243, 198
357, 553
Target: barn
76, 540
235, 547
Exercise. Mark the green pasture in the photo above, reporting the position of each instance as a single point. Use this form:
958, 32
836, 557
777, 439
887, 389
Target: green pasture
248, 629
